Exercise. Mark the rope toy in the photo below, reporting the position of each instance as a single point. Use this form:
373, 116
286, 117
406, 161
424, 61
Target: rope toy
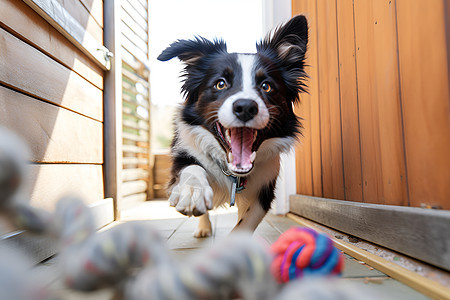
235, 267
300, 252
134, 260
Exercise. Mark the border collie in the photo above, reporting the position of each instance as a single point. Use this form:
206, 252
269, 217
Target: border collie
236, 120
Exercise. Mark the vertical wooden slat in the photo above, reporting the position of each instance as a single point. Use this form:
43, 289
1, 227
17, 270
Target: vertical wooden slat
330, 121
383, 168
423, 57
316, 154
393, 176
351, 148
303, 150
312, 118
368, 109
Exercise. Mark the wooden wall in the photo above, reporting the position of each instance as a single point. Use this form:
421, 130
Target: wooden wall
377, 119
51, 93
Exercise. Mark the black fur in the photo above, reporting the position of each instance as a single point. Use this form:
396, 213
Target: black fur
197, 54
266, 195
295, 33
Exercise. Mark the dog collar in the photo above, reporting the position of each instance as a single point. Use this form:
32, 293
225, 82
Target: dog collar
238, 184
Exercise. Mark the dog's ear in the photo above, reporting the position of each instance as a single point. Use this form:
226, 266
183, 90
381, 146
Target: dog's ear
287, 44
189, 51
289, 41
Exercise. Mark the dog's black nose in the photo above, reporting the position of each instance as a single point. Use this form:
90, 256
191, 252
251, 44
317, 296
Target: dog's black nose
245, 109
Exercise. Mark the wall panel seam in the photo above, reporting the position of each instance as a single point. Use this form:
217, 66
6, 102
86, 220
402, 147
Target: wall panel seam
401, 107
357, 102
318, 100
340, 101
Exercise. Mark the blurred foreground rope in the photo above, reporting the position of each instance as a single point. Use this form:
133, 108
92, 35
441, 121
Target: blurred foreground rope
133, 259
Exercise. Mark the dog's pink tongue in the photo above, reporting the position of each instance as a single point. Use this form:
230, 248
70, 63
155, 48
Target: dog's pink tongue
241, 146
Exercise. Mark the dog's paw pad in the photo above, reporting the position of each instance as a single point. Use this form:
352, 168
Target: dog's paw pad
202, 232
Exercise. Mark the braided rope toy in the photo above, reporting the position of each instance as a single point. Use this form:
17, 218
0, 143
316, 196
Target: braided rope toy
302, 251
134, 259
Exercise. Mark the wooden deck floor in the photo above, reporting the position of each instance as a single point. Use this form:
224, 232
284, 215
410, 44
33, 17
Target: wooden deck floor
178, 231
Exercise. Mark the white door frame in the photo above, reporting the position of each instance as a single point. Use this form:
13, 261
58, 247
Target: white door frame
276, 12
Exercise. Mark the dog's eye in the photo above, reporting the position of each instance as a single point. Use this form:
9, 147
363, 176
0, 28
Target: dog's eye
266, 87
221, 84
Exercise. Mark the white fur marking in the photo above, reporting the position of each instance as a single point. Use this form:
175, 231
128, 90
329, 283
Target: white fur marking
247, 64
226, 115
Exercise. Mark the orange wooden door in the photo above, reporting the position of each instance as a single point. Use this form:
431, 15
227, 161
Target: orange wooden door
377, 119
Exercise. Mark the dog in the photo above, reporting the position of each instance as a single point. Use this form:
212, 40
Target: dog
236, 119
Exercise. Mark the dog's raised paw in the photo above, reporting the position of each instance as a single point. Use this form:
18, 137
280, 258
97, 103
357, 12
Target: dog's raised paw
192, 195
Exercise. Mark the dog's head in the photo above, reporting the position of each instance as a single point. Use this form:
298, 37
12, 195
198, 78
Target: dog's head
244, 99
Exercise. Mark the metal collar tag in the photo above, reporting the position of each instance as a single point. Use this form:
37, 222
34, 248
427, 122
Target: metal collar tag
237, 185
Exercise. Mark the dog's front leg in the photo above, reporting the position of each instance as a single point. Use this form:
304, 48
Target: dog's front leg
252, 212
249, 217
204, 228
192, 195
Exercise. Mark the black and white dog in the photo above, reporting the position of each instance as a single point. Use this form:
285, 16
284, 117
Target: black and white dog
236, 120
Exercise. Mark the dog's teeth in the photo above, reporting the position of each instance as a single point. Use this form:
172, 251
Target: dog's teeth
255, 135
252, 157
230, 156
227, 135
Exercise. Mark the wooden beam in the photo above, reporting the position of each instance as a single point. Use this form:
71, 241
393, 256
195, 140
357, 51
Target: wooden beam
417, 232
410, 278
63, 21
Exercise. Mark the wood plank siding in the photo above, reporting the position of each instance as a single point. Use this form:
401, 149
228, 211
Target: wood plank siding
377, 115
51, 94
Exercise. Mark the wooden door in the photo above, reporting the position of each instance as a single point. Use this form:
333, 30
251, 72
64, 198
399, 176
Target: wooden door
377, 123
377, 116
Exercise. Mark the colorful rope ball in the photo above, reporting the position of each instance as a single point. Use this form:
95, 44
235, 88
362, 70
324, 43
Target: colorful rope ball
302, 252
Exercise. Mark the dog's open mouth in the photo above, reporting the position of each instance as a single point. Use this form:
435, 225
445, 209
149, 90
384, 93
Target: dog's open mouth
240, 145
